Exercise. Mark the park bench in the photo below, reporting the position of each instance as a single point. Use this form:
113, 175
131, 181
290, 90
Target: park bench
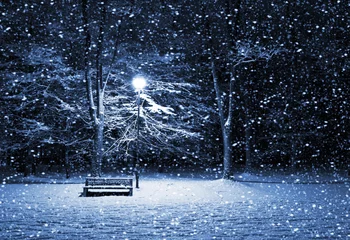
107, 185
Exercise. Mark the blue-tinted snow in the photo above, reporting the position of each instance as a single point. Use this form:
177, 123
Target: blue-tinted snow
179, 207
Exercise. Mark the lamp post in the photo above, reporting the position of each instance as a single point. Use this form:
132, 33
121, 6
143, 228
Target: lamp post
139, 84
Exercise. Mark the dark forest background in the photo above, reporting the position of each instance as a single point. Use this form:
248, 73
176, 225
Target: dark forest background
251, 84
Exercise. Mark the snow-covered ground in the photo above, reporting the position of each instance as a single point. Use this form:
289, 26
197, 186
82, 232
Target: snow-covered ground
175, 207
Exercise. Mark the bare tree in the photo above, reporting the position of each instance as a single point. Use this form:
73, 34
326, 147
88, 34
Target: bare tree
96, 90
236, 53
171, 115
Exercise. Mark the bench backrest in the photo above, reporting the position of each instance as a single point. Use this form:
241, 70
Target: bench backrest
91, 181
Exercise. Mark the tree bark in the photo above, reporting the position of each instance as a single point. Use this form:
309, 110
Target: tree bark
247, 128
87, 63
66, 161
228, 164
99, 123
248, 151
226, 125
96, 114
98, 148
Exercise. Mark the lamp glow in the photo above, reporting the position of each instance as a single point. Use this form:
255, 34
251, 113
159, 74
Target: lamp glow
139, 83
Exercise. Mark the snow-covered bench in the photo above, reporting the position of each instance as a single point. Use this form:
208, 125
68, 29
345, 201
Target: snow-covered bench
107, 185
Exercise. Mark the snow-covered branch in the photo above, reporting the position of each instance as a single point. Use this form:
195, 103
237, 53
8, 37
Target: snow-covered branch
246, 52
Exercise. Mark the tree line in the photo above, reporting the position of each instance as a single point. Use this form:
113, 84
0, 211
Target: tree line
239, 84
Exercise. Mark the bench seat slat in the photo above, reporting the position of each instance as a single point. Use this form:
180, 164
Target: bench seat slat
107, 181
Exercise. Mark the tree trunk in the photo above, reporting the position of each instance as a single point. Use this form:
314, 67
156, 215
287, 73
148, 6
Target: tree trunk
228, 165
248, 151
99, 123
98, 148
247, 128
28, 159
96, 113
34, 165
88, 83
66, 162
226, 126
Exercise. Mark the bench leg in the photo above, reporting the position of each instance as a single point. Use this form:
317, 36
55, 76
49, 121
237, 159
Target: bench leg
85, 192
130, 193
